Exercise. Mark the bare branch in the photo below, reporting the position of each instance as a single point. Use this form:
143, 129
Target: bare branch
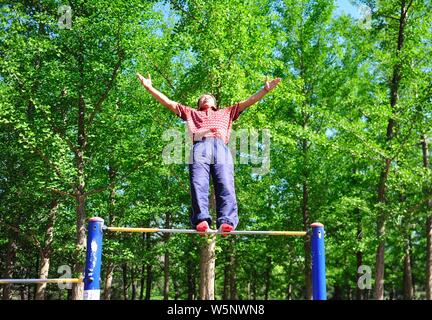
108, 88
389, 17
188, 13
99, 189
64, 138
422, 202
41, 155
63, 193
409, 5
158, 70
48, 162
25, 234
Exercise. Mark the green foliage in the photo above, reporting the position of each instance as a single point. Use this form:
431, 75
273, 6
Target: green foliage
327, 118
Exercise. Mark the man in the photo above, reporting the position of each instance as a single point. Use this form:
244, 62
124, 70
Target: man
209, 128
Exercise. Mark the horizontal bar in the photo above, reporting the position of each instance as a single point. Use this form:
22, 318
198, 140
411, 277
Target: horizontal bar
153, 230
24, 281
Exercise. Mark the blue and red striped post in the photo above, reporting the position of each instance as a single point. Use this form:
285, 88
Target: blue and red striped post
93, 259
318, 262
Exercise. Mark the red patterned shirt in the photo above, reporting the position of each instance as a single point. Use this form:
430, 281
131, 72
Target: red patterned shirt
211, 122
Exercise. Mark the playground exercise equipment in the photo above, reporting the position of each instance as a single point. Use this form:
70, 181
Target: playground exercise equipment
93, 264
29, 281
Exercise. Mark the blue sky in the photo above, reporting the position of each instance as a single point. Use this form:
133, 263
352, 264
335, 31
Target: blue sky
345, 6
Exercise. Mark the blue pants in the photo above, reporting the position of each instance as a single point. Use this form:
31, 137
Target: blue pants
211, 156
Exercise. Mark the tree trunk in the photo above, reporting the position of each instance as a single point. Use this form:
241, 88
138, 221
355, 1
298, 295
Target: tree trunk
207, 268
304, 145
191, 279
307, 242
208, 260
425, 151
289, 292
166, 258
232, 271
379, 264
22, 293
394, 97
29, 274
142, 282
149, 269
78, 288
166, 275
359, 254
429, 257
9, 267
108, 280
111, 221
29, 293
149, 281
225, 293
337, 295
254, 284
37, 264
407, 277
268, 278
125, 281
176, 288
391, 293
379, 260
43, 274
47, 250
289, 286
192, 269
133, 284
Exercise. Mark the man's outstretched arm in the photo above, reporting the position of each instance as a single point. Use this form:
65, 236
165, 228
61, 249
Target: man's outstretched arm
163, 99
269, 85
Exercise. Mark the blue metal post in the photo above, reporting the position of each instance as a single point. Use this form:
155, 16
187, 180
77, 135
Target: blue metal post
93, 259
318, 262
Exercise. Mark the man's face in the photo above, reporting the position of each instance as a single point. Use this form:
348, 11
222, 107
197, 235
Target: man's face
206, 101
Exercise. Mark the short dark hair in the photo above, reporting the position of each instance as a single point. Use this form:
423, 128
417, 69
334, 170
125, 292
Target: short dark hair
207, 94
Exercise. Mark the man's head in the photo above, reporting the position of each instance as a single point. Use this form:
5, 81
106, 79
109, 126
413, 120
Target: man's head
206, 101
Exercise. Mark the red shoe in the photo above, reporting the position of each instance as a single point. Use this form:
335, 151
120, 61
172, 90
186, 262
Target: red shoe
225, 227
202, 226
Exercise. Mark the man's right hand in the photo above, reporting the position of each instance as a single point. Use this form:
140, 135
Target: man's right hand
144, 81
